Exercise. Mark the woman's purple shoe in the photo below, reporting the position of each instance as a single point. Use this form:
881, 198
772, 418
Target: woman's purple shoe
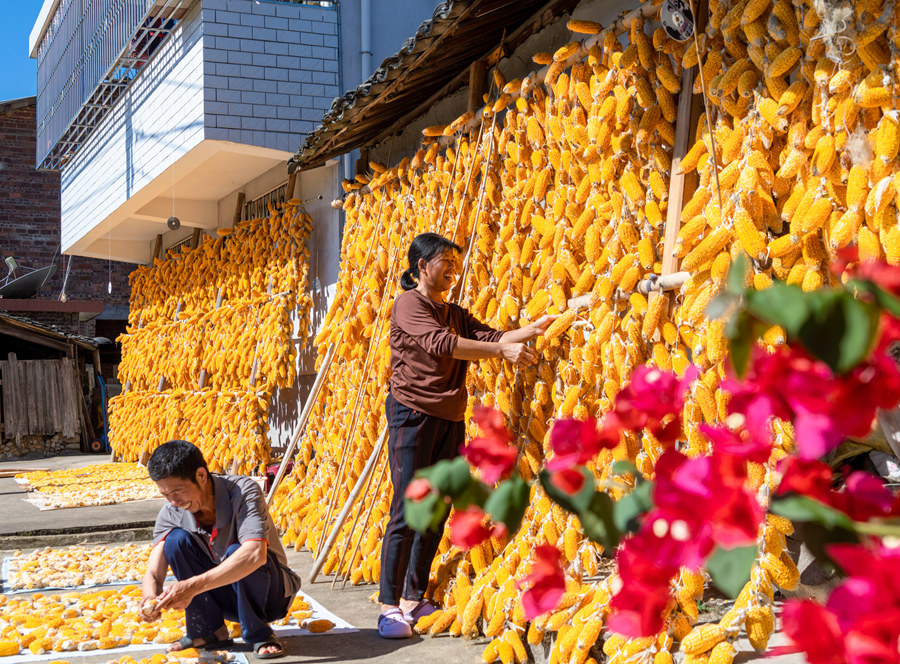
420, 610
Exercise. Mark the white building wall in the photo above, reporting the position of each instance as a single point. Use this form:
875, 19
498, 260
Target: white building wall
157, 120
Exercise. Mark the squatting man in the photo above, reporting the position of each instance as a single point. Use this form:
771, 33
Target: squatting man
216, 534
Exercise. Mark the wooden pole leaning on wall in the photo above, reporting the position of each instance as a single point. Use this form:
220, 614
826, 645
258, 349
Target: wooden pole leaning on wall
336, 529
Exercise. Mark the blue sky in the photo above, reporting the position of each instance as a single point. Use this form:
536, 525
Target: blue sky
18, 78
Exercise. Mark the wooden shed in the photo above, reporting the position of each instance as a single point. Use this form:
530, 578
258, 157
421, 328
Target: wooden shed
43, 382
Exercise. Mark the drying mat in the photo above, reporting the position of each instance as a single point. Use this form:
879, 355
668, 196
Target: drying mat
5, 585
98, 484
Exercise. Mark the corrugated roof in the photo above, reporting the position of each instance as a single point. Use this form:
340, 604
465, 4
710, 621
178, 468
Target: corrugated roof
49, 331
458, 33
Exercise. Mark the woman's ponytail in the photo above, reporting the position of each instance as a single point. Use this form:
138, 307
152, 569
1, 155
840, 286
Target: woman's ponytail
406, 280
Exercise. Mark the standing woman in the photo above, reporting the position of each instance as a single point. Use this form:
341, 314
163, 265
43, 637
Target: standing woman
431, 341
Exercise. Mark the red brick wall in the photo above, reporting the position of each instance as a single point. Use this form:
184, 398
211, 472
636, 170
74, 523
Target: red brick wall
30, 221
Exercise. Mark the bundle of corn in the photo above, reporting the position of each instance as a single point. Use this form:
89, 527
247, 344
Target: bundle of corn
566, 196
97, 484
76, 566
211, 335
224, 425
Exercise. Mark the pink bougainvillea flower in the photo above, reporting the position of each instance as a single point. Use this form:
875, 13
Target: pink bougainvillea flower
883, 275
866, 497
815, 631
490, 421
575, 442
467, 527
700, 493
568, 480
639, 611
638, 606
807, 477
653, 400
418, 489
824, 407
546, 583
733, 443
493, 458
860, 622
491, 453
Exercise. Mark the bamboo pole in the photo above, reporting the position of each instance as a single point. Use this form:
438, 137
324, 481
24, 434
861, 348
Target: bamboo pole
340, 564
365, 524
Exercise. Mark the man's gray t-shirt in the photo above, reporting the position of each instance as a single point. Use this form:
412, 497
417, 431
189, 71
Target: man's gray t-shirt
241, 515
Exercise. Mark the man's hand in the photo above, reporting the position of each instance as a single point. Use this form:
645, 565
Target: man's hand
518, 354
177, 596
149, 611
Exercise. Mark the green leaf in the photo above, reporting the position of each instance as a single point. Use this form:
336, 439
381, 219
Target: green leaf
624, 467
730, 568
840, 330
474, 494
780, 304
508, 503
722, 305
734, 282
885, 300
598, 524
449, 477
577, 503
740, 341
631, 506
425, 514
802, 508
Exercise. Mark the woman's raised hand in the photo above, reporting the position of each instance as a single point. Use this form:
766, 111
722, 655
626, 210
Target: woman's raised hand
538, 327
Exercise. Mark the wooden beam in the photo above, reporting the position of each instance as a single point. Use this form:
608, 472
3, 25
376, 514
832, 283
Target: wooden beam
681, 186
95, 356
477, 78
291, 186
195, 238
238, 208
157, 247
362, 164
683, 129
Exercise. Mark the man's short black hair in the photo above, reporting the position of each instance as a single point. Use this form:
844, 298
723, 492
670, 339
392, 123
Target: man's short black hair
177, 458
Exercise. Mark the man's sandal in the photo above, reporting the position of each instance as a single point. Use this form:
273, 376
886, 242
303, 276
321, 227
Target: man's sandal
210, 642
271, 641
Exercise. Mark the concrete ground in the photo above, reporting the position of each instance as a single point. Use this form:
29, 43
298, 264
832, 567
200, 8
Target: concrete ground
23, 526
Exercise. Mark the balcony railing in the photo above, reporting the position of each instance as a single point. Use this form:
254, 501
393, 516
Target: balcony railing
87, 57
